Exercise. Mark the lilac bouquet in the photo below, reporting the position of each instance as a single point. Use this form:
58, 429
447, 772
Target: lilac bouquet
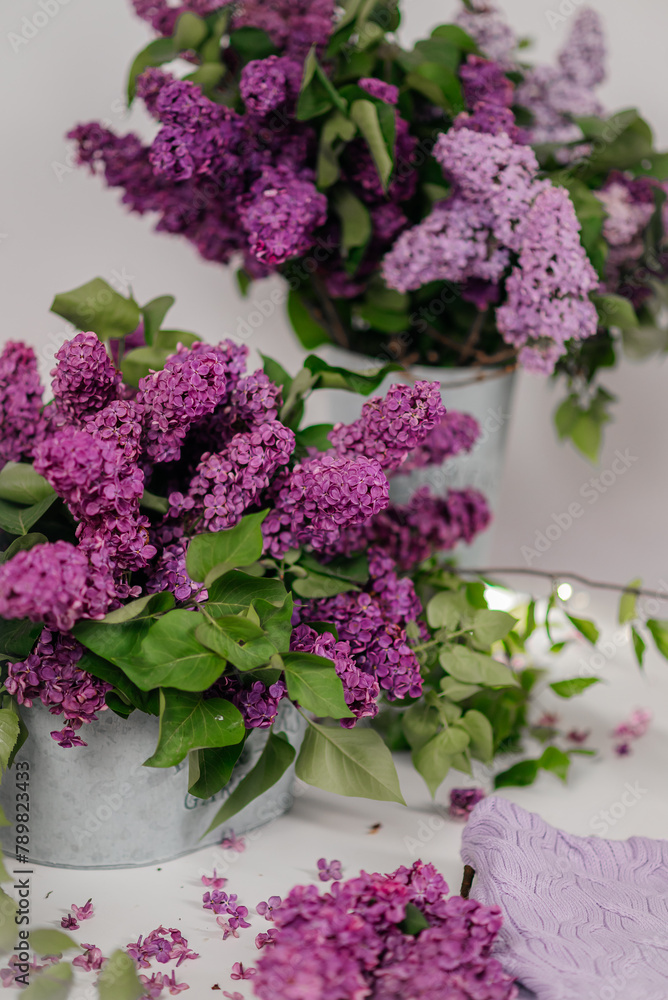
176, 543
450, 204
383, 937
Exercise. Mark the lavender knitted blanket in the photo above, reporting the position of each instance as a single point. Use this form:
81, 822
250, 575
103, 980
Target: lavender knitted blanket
584, 918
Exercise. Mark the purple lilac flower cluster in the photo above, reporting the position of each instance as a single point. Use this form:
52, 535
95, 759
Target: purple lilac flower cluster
498, 206
20, 401
351, 942
51, 675
163, 944
372, 623
100, 458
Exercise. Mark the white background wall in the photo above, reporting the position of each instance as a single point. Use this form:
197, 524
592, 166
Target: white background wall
59, 228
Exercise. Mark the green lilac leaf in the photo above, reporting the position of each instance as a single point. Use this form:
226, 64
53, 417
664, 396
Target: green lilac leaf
365, 115
585, 628
420, 723
156, 53
310, 332
480, 730
313, 682
9, 732
316, 585
470, 667
170, 655
98, 307
434, 759
51, 942
19, 520
444, 611
10, 703
490, 626
556, 761
573, 686
234, 593
221, 551
456, 691
276, 373
414, 921
352, 762
17, 637
190, 722
639, 646
153, 313
118, 979
628, 602
363, 382
19, 483
249, 656
659, 632
54, 983
22, 544
276, 758
519, 775
214, 769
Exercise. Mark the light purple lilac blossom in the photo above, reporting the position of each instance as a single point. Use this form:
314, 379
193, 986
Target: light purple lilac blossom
486, 25
386, 92
350, 942
548, 303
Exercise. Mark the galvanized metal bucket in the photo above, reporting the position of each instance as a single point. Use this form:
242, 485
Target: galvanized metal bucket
98, 807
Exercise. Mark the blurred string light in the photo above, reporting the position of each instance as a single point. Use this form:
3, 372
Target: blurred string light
564, 591
501, 599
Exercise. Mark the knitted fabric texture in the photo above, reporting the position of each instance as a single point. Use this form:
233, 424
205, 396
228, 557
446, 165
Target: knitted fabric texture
584, 918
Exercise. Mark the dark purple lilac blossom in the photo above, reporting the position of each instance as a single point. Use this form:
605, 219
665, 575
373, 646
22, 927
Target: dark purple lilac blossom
267, 84
350, 942
280, 215
484, 81
20, 402
293, 25
462, 801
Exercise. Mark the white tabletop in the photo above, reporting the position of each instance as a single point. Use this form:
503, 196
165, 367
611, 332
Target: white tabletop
283, 854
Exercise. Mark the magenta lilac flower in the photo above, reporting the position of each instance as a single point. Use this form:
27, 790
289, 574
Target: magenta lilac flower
53, 583
92, 959
266, 84
189, 386
84, 912
462, 801
20, 402
386, 92
69, 923
456, 434
162, 944
84, 380
360, 689
391, 427
322, 496
350, 942
329, 871
280, 215
51, 674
